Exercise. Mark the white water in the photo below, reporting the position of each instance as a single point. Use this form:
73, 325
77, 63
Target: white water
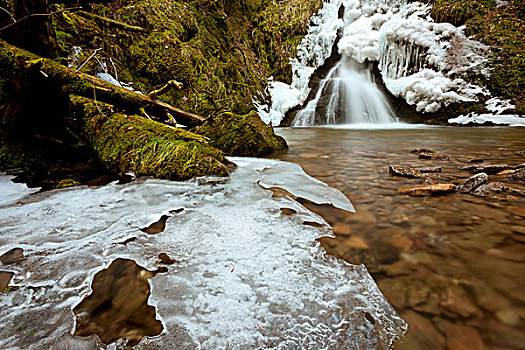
248, 277
353, 94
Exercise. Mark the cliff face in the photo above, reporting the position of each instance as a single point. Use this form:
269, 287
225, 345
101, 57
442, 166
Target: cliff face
502, 27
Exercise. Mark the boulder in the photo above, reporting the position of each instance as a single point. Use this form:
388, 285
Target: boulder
473, 182
488, 189
429, 190
403, 171
12, 256
241, 135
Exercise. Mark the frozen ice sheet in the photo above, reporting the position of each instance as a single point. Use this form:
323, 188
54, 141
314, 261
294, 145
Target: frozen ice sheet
11, 192
248, 277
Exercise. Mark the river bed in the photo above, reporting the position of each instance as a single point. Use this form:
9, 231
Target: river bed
453, 266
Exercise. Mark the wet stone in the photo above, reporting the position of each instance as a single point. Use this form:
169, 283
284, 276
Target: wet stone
421, 335
461, 338
432, 169
473, 182
488, 189
5, 278
430, 190
342, 229
518, 175
437, 156
165, 259
355, 243
475, 160
288, 211
455, 300
422, 150
486, 168
403, 171
118, 307
156, 227
12, 256
508, 317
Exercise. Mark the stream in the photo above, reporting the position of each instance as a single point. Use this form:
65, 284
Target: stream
453, 266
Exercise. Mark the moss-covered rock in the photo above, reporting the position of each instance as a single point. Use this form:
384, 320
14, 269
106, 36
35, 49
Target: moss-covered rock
501, 27
242, 135
133, 143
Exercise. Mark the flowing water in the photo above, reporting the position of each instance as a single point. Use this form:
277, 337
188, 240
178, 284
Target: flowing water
348, 95
454, 265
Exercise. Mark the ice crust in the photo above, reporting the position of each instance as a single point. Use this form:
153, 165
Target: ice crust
420, 60
11, 192
248, 277
499, 119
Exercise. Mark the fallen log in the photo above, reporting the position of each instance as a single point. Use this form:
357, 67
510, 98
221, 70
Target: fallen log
18, 62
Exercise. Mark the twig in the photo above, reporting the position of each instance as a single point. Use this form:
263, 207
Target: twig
90, 57
38, 15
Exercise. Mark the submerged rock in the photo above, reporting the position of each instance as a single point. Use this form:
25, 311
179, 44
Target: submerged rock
486, 168
429, 190
422, 150
118, 306
518, 175
242, 135
12, 256
488, 189
473, 182
439, 156
5, 278
432, 169
403, 171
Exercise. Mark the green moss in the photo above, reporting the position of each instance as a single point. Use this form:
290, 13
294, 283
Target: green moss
242, 135
10, 157
133, 143
503, 28
67, 183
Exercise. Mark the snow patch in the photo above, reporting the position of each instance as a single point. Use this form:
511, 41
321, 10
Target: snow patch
499, 119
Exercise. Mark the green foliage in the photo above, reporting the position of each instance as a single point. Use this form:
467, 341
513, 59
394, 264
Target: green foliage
10, 157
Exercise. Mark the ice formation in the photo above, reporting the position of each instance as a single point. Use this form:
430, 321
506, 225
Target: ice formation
247, 277
498, 119
420, 60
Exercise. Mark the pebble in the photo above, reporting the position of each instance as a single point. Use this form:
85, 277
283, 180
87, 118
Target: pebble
455, 300
488, 189
356, 243
342, 229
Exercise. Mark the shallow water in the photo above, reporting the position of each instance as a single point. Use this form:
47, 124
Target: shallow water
454, 265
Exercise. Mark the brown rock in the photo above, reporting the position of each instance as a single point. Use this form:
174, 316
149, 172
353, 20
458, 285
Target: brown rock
505, 336
475, 160
486, 168
519, 230
509, 317
429, 190
165, 259
488, 189
462, 338
355, 243
5, 278
421, 334
12, 256
455, 300
288, 211
342, 229
520, 211
432, 156
402, 243
403, 171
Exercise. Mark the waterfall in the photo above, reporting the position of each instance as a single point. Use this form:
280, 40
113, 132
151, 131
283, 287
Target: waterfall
348, 95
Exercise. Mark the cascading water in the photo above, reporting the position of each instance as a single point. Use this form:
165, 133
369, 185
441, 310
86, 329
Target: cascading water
348, 95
